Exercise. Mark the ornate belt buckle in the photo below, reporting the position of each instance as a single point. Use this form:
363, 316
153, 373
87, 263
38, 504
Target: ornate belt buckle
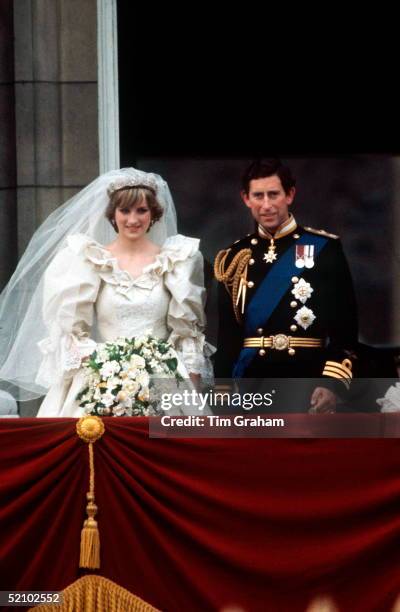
280, 342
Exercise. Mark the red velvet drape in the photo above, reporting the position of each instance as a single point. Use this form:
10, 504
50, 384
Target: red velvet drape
193, 525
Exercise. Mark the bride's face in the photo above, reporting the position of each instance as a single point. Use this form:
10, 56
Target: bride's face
133, 222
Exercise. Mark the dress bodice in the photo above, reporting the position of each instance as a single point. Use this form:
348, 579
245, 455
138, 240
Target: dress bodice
127, 306
88, 298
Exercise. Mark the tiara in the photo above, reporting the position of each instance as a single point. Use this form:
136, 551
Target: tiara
141, 180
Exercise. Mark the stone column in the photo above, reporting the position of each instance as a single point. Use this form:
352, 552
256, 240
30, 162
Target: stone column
107, 47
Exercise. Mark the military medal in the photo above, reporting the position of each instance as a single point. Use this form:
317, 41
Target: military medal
270, 256
309, 255
304, 256
299, 261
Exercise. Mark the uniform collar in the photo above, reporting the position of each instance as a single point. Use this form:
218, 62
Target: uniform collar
285, 229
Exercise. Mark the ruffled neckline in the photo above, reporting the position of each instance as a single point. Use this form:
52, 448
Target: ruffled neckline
175, 249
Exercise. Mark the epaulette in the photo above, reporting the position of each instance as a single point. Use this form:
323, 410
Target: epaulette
321, 232
245, 241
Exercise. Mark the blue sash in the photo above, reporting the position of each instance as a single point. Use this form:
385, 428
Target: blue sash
269, 294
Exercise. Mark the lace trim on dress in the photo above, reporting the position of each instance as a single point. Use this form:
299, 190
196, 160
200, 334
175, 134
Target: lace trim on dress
62, 356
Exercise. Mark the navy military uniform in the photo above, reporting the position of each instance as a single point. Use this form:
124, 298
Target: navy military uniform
286, 307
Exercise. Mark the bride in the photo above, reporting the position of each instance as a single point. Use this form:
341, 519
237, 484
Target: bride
106, 264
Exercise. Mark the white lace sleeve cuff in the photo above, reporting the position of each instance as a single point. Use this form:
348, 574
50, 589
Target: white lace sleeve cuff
62, 358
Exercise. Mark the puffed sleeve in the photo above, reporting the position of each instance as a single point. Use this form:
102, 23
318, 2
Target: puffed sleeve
70, 290
186, 319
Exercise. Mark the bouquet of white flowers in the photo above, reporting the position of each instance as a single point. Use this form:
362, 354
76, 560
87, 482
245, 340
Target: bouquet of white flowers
118, 376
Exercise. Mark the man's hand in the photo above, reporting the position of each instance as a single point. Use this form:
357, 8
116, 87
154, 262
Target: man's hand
323, 401
196, 380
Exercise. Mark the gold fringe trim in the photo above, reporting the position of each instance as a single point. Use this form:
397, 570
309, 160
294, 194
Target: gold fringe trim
90, 429
96, 594
234, 277
322, 604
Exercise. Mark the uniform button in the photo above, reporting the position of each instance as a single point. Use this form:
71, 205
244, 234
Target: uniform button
254, 241
250, 284
293, 328
261, 352
291, 352
260, 331
293, 304
295, 279
296, 236
251, 262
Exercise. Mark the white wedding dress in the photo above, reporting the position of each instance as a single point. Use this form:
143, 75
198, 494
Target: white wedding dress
88, 298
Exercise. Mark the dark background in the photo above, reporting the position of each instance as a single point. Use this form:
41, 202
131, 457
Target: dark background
197, 117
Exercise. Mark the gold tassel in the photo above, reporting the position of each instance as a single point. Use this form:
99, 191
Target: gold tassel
90, 429
239, 291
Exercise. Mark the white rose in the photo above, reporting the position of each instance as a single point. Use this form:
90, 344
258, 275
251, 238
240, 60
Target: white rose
133, 373
108, 399
112, 383
109, 369
137, 361
130, 386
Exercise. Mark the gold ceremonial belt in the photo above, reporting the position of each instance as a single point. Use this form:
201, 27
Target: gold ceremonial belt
281, 342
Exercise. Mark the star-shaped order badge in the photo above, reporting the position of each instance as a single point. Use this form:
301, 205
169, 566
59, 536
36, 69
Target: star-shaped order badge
302, 291
305, 317
270, 256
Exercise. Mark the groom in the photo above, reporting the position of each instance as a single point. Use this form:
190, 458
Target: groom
286, 301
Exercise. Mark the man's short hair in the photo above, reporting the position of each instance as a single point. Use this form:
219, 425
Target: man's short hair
268, 167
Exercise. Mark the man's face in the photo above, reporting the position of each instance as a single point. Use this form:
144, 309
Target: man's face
268, 201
